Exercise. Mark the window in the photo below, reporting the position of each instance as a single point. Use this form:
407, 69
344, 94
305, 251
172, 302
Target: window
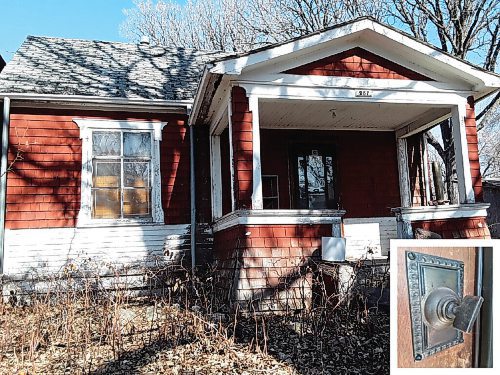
270, 193
120, 172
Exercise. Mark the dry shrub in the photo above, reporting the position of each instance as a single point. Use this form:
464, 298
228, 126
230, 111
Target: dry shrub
80, 322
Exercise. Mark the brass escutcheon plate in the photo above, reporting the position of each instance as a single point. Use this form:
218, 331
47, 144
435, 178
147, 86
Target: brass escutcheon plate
424, 273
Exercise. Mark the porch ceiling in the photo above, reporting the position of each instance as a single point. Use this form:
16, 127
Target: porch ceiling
314, 114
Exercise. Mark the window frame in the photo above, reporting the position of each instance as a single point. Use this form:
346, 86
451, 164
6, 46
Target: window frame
87, 127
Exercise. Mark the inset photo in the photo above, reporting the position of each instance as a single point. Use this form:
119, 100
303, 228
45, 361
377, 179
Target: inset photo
442, 304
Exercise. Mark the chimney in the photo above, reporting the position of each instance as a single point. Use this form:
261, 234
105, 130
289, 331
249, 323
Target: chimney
144, 40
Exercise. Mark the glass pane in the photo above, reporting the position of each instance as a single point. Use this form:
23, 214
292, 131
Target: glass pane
137, 144
106, 173
106, 144
315, 174
136, 173
269, 186
136, 202
302, 199
106, 203
329, 177
270, 203
302, 177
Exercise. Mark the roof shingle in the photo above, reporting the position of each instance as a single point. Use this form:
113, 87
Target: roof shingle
44, 65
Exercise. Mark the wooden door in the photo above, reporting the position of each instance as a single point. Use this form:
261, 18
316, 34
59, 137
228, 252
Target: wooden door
460, 355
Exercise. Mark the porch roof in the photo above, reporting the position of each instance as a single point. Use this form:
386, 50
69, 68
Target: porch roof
267, 65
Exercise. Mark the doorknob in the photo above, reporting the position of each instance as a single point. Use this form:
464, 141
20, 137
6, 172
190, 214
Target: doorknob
440, 313
442, 307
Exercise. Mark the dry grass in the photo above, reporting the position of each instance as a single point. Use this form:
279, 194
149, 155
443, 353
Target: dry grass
79, 328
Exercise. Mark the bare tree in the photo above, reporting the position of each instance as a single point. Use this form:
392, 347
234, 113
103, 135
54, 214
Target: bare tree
209, 25
489, 142
235, 25
467, 29
278, 20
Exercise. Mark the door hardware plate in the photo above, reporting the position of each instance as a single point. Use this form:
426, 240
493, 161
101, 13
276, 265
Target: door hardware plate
424, 273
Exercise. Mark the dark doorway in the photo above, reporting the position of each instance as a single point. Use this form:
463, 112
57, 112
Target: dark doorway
314, 177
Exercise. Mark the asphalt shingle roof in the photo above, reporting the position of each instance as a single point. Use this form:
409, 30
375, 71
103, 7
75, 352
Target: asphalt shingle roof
61, 66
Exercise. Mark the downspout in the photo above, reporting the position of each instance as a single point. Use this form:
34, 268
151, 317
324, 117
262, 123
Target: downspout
3, 174
193, 196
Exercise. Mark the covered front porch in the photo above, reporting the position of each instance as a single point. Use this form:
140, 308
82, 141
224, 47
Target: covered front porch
322, 137
361, 161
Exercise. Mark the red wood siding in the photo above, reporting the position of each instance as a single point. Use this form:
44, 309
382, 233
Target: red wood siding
43, 189
271, 260
358, 63
366, 163
275, 160
241, 121
471, 132
456, 228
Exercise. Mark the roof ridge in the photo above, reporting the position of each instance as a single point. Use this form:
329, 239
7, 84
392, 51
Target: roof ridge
168, 46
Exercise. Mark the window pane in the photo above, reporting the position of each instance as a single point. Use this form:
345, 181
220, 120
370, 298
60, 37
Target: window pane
106, 203
136, 173
106, 173
106, 144
136, 202
329, 177
137, 144
315, 174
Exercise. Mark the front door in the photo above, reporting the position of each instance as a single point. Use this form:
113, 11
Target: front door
314, 177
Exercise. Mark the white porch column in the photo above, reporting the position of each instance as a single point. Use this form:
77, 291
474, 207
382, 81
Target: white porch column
465, 189
257, 204
231, 152
404, 178
216, 178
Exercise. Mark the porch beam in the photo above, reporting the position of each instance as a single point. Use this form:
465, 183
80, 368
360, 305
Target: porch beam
404, 178
220, 117
216, 178
425, 122
465, 188
266, 90
257, 202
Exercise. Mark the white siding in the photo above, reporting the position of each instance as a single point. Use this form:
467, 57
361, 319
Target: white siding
30, 252
364, 233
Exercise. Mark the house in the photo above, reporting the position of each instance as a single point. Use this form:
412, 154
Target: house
124, 148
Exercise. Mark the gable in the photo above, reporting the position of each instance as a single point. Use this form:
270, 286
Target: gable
357, 63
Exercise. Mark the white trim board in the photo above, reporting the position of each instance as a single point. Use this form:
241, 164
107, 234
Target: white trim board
278, 217
442, 212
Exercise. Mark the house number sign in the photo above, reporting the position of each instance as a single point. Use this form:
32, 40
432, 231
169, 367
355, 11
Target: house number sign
363, 93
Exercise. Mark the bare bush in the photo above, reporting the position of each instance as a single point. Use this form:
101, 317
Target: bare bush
79, 323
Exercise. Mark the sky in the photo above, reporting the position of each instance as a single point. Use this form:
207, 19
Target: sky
83, 19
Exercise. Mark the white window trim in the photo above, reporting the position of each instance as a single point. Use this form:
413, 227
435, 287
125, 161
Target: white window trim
86, 127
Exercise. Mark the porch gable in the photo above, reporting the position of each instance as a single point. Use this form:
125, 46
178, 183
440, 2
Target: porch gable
357, 62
